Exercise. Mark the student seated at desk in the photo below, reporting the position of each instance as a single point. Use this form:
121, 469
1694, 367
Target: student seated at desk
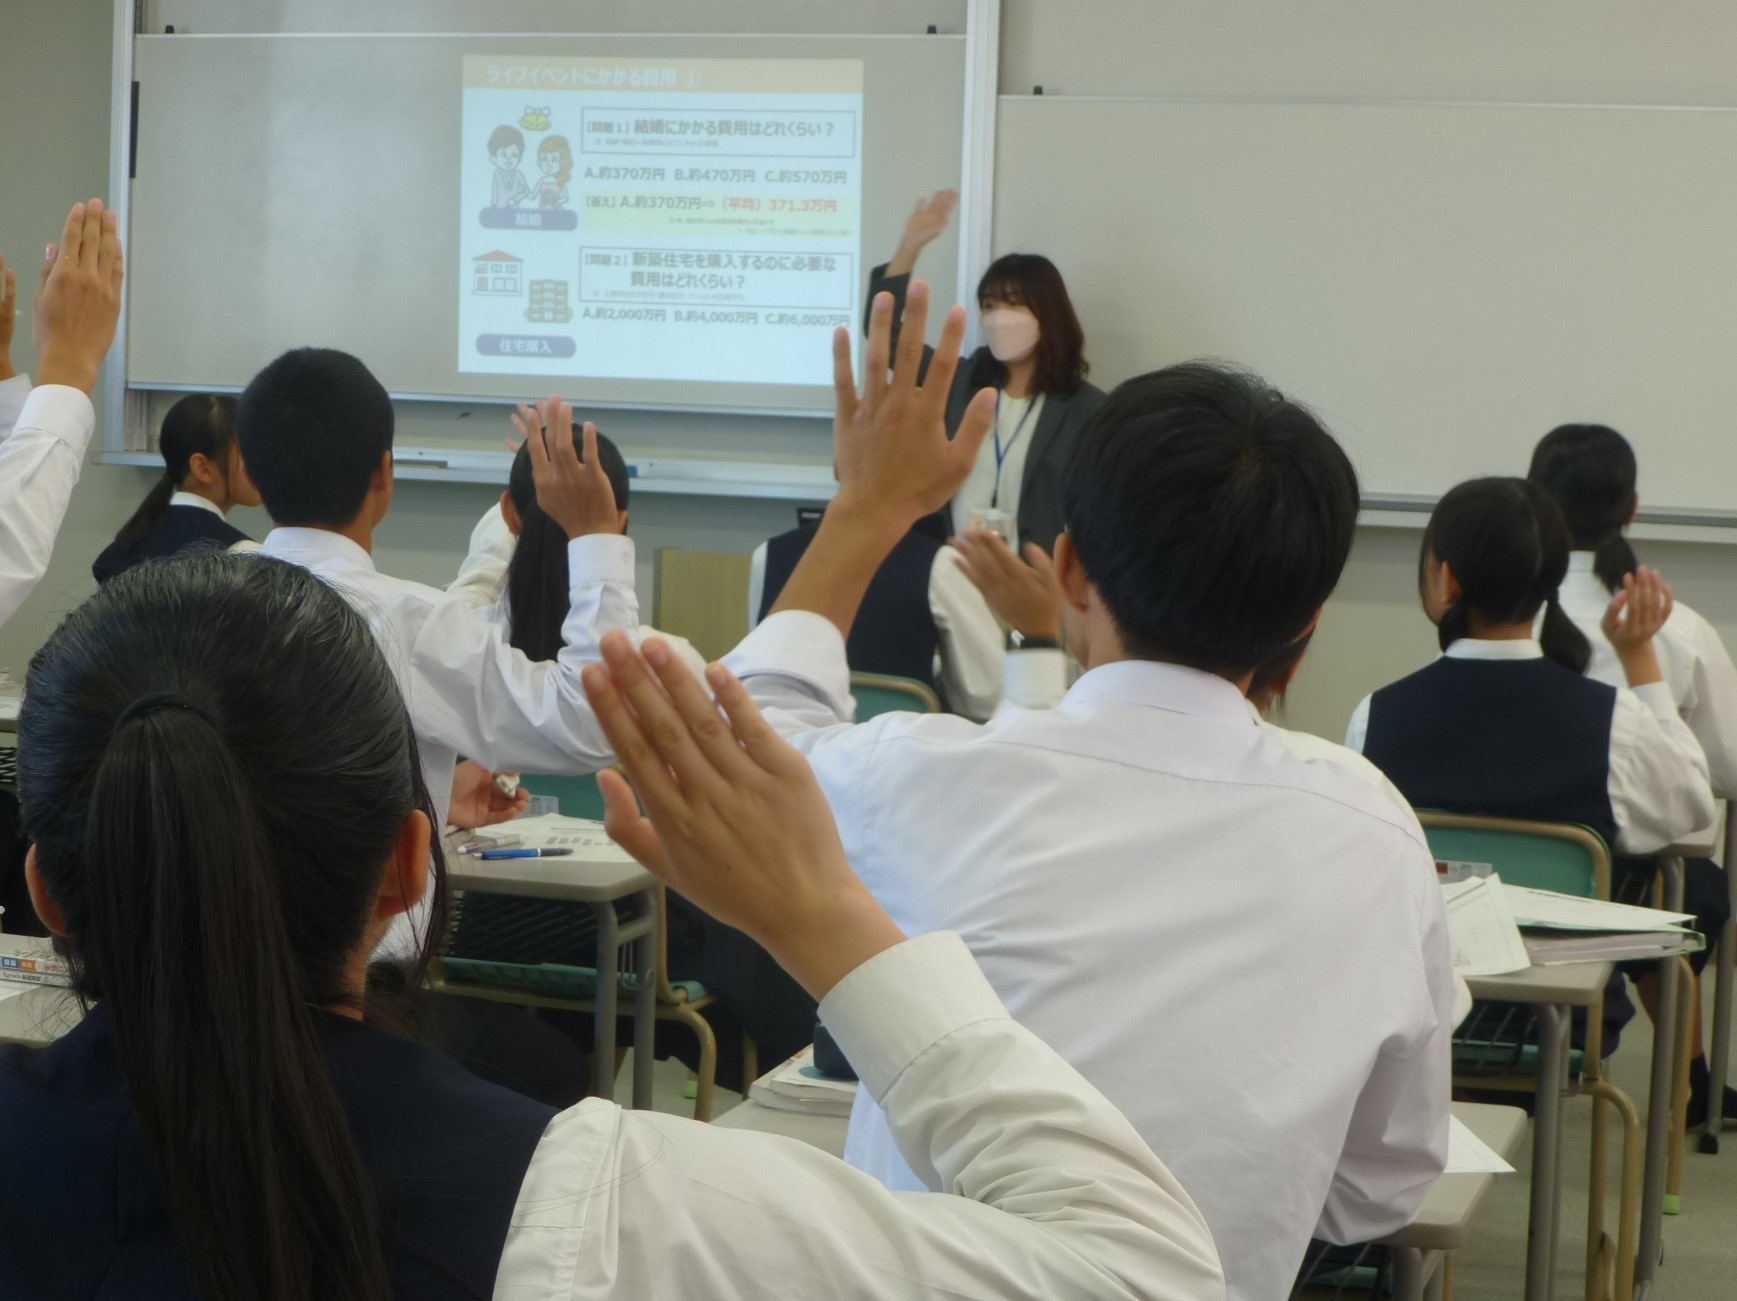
203, 476
43, 434
921, 618
1590, 472
1159, 887
1508, 726
226, 1125
517, 572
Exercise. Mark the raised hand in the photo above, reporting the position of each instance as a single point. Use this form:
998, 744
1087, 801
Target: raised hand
78, 301
890, 441
1023, 592
734, 818
927, 222
1633, 618
573, 492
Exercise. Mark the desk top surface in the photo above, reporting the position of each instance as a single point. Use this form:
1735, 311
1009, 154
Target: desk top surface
1573, 984
1708, 842
1444, 1220
597, 871
38, 1015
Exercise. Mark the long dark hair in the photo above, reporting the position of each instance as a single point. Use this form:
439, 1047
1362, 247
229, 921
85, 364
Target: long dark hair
1031, 280
1590, 472
1508, 546
537, 578
214, 845
198, 423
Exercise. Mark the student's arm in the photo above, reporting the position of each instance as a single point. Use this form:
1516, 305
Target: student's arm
1357, 734
474, 691
14, 388
1659, 788
1710, 706
972, 642
77, 305
483, 574
1396, 1145
756, 584
1055, 1193
895, 465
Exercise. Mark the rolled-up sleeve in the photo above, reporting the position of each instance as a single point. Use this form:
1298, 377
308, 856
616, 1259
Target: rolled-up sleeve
39, 467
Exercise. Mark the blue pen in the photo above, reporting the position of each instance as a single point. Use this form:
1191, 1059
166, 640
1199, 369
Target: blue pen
524, 853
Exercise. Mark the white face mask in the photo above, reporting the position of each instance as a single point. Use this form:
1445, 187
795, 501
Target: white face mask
1010, 332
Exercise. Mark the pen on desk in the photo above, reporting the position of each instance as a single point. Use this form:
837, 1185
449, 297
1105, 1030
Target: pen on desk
524, 853
490, 842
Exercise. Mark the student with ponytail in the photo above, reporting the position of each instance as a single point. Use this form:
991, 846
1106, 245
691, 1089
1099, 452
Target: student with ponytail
203, 476
1504, 722
225, 1125
1590, 472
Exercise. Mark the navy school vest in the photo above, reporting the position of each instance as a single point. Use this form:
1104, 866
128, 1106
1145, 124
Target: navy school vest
180, 528
82, 1218
895, 630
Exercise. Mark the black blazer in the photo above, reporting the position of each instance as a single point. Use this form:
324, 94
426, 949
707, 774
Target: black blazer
181, 528
1052, 442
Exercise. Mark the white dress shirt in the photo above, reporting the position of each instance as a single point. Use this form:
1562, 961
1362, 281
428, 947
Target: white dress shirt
1065, 1201
43, 436
1658, 774
482, 584
968, 662
470, 693
193, 499
1016, 422
1696, 666
1245, 951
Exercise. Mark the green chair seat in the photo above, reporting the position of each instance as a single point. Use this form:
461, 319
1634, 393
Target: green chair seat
549, 979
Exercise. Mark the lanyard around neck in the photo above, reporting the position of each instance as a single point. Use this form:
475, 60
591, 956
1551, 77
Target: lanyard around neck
1002, 453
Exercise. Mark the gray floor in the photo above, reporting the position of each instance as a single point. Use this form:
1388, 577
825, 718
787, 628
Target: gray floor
1700, 1243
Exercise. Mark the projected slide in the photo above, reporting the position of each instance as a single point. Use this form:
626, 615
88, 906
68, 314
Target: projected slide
676, 219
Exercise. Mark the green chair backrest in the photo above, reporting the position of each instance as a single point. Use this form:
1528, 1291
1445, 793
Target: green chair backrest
580, 797
878, 693
1544, 856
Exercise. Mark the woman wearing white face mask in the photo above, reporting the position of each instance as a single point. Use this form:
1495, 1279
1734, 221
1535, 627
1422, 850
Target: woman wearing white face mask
1034, 353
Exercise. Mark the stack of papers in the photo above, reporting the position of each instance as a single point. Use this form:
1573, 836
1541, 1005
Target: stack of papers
797, 1086
1481, 928
587, 840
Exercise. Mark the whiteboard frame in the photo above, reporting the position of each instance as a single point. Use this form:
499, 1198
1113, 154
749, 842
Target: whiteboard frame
126, 432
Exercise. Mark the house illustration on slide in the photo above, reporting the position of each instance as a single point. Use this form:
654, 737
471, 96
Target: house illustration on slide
498, 273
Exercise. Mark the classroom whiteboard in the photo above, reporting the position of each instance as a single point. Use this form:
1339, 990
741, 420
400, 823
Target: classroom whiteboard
306, 189
1442, 282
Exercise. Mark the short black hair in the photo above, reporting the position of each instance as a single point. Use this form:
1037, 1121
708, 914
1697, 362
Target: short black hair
1212, 514
313, 426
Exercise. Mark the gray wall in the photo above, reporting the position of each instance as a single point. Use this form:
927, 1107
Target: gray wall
54, 149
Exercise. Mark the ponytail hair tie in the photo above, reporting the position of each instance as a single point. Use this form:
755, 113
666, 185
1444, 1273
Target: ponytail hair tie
153, 701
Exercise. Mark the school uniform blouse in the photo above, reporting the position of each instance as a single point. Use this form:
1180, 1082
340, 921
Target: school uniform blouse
1696, 666
1174, 900
189, 521
1656, 779
1055, 1193
43, 435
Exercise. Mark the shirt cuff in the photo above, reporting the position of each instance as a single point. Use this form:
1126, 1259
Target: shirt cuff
1657, 697
599, 558
798, 644
1033, 679
62, 411
902, 1002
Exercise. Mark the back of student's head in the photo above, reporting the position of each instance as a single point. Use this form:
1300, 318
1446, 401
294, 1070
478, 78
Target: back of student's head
314, 425
537, 579
1507, 546
1212, 515
199, 424
1590, 472
214, 765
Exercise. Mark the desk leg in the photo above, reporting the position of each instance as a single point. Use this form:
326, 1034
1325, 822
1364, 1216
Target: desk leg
1547, 1151
1720, 1062
644, 1009
603, 1036
1410, 1274
1658, 1125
